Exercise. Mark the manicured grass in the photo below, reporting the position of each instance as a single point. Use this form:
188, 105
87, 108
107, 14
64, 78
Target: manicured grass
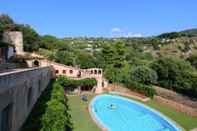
82, 120
182, 119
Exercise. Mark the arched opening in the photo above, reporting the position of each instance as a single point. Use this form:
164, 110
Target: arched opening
103, 84
95, 72
79, 74
36, 63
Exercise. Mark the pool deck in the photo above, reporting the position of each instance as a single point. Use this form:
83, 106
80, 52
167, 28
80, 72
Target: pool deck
131, 96
94, 118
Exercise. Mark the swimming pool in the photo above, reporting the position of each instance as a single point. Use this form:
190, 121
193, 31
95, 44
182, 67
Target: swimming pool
117, 113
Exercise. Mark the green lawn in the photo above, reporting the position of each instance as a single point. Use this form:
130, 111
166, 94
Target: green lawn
81, 118
182, 119
83, 122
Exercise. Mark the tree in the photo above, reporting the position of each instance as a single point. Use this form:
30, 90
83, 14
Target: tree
171, 35
51, 43
64, 57
54, 118
31, 38
5, 20
6, 23
114, 54
85, 60
175, 74
144, 75
193, 60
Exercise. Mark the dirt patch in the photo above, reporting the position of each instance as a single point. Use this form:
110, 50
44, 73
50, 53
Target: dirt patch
120, 88
179, 98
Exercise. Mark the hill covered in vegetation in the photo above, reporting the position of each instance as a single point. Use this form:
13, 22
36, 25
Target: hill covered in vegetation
168, 60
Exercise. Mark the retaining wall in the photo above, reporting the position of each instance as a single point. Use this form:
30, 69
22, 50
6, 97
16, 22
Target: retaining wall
19, 91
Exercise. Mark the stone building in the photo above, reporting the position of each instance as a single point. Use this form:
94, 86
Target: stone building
34, 60
12, 44
20, 89
15, 39
74, 72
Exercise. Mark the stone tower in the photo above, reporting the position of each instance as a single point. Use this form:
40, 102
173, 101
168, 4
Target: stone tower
14, 38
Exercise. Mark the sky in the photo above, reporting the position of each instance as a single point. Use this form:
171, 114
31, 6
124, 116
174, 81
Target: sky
106, 18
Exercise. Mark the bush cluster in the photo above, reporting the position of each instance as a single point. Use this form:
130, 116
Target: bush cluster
56, 117
144, 74
148, 90
73, 84
177, 75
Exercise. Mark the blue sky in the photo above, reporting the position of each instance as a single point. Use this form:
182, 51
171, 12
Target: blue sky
103, 17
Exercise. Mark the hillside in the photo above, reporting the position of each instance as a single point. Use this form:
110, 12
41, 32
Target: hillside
192, 32
168, 60
182, 47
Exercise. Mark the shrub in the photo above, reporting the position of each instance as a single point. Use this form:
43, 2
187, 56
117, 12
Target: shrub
67, 83
54, 118
88, 82
58, 93
144, 75
73, 84
175, 74
148, 90
193, 60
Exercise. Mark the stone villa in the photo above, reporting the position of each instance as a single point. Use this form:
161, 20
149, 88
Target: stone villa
20, 88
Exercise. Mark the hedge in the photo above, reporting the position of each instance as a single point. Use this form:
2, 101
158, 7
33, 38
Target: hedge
148, 90
56, 117
73, 84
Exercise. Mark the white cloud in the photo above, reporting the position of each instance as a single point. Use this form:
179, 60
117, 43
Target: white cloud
115, 30
134, 34
121, 32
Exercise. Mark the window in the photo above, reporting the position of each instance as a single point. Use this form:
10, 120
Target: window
99, 71
95, 71
79, 74
71, 71
103, 84
56, 71
64, 72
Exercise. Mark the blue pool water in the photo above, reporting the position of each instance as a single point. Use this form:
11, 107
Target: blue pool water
121, 114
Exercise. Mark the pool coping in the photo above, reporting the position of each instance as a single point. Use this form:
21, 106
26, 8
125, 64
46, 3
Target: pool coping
103, 128
128, 95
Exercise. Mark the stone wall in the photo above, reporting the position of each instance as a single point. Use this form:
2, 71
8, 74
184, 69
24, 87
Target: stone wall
14, 38
19, 91
74, 72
